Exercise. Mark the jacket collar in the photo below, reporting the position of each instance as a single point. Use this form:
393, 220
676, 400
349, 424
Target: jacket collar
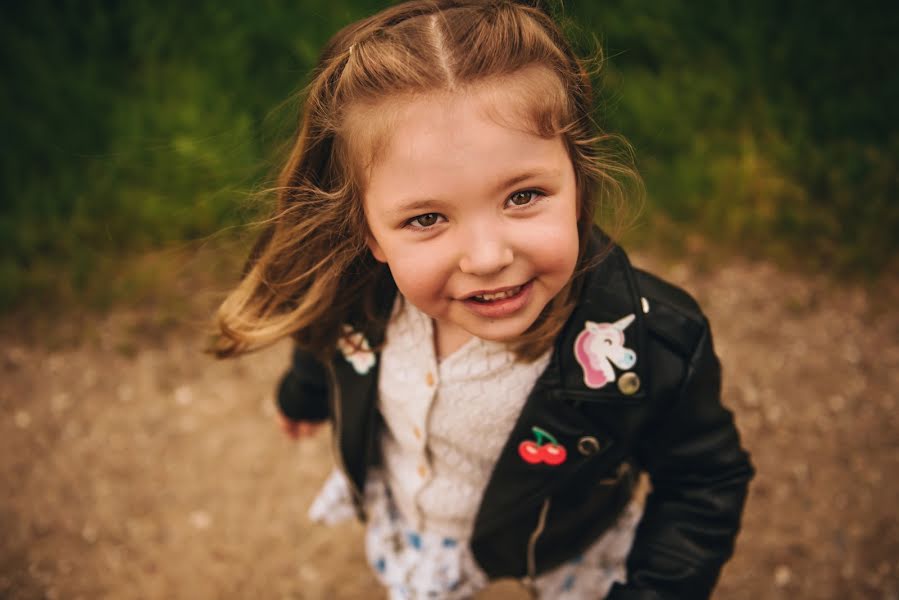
608, 296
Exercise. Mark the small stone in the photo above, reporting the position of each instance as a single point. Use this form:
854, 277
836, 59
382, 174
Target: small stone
308, 573
22, 419
782, 576
852, 354
200, 519
16, 357
267, 406
55, 363
60, 402
183, 395
89, 378
773, 413
125, 393
750, 395
837, 403
89, 533
71, 430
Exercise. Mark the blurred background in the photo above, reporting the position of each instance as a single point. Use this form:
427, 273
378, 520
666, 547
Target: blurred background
136, 137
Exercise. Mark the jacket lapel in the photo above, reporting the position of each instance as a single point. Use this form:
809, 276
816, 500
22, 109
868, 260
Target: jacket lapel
355, 393
609, 297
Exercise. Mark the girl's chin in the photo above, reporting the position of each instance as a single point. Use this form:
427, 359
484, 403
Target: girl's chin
499, 330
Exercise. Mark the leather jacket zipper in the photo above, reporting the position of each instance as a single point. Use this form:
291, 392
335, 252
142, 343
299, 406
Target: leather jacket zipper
335, 442
529, 581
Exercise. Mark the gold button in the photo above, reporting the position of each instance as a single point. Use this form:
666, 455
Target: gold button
629, 383
417, 433
588, 445
429, 379
422, 470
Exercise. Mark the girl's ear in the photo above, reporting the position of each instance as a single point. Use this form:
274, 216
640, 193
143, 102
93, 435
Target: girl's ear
375, 248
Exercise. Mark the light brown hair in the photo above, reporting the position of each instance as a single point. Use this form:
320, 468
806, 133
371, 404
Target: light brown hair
311, 272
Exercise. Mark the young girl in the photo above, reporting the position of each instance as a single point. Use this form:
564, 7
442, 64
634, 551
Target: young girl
496, 373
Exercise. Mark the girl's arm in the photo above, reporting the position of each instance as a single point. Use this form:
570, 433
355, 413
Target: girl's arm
303, 390
700, 475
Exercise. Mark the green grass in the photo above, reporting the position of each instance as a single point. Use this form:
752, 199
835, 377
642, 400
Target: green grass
130, 127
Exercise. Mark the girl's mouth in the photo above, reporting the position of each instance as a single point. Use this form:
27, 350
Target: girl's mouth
505, 303
483, 298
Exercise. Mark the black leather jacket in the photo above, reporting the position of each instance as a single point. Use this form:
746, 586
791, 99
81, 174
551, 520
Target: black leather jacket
662, 416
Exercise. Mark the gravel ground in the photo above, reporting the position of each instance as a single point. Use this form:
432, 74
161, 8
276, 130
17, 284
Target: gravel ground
134, 466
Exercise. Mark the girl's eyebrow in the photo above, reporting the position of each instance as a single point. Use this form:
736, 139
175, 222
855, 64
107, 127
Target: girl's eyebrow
516, 179
416, 204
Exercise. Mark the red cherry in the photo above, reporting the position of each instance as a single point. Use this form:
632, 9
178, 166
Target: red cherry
530, 452
553, 454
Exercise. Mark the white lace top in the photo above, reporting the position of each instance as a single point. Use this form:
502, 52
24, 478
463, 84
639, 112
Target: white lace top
446, 422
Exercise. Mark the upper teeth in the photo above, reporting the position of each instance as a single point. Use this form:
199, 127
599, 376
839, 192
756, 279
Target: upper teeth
499, 295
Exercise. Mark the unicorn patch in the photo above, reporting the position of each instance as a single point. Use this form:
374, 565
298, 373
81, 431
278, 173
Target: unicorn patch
599, 346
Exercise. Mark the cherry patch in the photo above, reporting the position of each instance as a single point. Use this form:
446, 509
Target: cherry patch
550, 452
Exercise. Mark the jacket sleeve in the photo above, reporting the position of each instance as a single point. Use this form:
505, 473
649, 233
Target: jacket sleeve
699, 475
303, 389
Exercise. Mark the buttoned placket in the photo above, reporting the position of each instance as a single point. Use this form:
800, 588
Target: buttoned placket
420, 381
425, 469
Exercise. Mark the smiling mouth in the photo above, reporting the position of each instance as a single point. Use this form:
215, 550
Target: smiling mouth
492, 297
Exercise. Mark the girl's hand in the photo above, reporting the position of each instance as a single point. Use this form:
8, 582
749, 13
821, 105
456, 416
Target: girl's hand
298, 429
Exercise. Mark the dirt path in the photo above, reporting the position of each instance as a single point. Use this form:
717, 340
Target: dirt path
135, 467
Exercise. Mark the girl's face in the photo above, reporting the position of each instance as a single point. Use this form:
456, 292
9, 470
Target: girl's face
477, 221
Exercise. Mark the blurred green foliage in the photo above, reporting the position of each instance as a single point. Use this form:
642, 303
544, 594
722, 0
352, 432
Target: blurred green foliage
127, 126
768, 125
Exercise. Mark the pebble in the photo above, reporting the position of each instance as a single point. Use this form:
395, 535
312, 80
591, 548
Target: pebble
89, 378
268, 406
60, 402
200, 519
801, 471
22, 419
89, 533
782, 576
750, 395
852, 354
16, 357
773, 413
837, 403
183, 395
125, 393
54, 363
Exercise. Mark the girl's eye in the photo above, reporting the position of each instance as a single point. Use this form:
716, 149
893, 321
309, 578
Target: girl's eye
424, 221
524, 197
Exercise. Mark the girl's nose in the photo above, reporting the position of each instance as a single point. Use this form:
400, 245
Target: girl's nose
485, 254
